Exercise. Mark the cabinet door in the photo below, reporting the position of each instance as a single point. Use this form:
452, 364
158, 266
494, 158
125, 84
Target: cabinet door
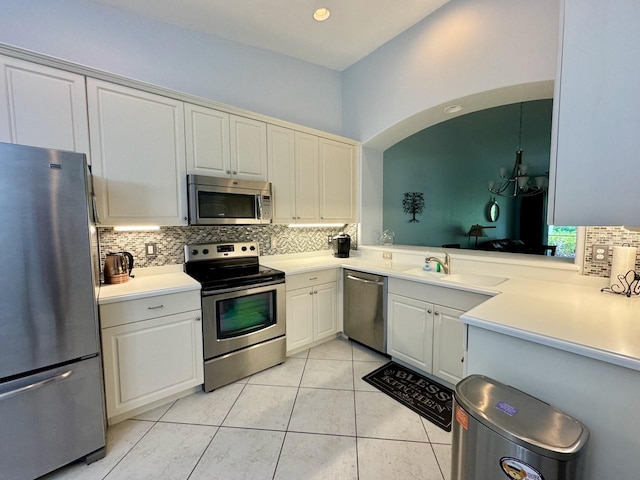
148, 360
595, 143
138, 151
248, 140
307, 178
325, 310
299, 318
410, 331
207, 137
449, 337
42, 106
281, 154
337, 172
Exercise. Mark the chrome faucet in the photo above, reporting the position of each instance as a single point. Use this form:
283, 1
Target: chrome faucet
446, 265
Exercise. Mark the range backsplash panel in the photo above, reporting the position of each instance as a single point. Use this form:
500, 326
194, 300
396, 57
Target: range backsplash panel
170, 241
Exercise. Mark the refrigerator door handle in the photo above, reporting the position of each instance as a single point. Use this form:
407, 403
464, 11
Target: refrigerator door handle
34, 385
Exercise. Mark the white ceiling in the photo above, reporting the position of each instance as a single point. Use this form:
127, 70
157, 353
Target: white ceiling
355, 28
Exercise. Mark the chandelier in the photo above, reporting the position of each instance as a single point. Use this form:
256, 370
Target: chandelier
520, 183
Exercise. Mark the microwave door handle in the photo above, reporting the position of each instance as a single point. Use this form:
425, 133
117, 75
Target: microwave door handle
259, 205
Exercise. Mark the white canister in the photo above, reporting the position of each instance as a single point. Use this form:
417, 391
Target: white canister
624, 259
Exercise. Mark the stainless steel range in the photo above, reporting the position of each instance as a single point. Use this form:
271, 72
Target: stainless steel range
243, 310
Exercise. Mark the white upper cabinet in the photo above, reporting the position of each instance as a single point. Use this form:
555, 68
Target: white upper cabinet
225, 145
248, 142
207, 137
337, 172
293, 173
42, 106
282, 172
313, 178
307, 186
595, 142
138, 151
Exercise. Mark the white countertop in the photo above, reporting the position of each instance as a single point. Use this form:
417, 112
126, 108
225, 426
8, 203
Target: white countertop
161, 281
575, 318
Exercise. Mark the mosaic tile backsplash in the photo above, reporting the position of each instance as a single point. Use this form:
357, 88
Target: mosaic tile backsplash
280, 239
610, 236
170, 241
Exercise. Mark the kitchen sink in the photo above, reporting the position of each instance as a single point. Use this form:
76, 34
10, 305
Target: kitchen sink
473, 279
425, 273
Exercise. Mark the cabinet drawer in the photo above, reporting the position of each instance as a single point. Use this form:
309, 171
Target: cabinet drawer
129, 311
303, 280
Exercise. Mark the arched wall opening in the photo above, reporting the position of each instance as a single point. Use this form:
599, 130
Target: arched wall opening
371, 207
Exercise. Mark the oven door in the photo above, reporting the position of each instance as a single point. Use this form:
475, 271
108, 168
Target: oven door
237, 318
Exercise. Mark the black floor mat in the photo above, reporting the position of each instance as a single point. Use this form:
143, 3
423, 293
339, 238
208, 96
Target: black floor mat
427, 398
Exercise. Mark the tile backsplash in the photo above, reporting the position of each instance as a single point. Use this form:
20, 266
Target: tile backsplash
170, 241
279, 239
610, 236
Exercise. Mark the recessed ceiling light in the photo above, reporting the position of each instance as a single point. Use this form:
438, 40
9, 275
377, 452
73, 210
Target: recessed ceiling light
452, 109
321, 14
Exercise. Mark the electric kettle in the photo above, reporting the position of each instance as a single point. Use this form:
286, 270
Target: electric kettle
117, 267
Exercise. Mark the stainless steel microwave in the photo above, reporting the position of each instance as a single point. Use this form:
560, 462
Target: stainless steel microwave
224, 201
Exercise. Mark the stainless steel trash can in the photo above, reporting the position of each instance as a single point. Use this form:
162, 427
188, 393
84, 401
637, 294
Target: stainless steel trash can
501, 432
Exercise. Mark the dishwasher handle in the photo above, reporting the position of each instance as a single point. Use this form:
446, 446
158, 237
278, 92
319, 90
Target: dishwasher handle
351, 277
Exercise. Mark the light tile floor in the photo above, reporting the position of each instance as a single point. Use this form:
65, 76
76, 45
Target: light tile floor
309, 418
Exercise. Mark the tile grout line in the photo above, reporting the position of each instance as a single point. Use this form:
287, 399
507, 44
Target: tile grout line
244, 385
284, 438
135, 444
355, 412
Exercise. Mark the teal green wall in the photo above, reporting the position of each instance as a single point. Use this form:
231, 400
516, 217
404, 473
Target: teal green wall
452, 162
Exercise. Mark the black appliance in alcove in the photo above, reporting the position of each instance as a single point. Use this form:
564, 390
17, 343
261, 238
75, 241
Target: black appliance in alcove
341, 244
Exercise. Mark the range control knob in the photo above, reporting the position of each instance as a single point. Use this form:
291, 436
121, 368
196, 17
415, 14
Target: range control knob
194, 252
252, 248
244, 249
205, 251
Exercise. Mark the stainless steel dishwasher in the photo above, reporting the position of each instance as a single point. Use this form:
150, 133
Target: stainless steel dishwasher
365, 309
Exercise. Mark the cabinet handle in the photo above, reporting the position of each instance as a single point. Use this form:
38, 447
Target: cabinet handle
313, 278
429, 312
228, 172
462, 360
311, 292
315, 291
235, 173
155, 308
198, 319
437, 313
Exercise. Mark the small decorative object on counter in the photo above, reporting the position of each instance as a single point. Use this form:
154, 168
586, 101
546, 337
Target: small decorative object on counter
413, 203
387, 237
628, 284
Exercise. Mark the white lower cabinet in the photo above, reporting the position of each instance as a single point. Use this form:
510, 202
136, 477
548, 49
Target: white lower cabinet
412, 334
312, 313
427, 335
151, 359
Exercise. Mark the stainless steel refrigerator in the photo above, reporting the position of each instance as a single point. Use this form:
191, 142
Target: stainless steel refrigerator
51, 394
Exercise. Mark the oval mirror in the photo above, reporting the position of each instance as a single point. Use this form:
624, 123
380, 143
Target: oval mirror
493, 210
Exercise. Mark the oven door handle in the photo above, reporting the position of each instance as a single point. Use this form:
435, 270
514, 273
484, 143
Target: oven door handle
221, 291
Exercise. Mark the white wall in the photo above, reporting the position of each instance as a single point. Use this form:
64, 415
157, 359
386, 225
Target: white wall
464, 48
181, 59
480, 53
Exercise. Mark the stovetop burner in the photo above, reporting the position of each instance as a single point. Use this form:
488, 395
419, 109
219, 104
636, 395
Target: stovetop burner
225, 265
